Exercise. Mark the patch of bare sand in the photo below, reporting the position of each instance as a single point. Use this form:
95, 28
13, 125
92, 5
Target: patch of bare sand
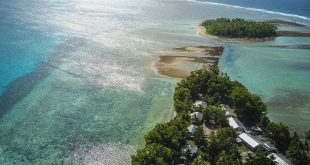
180, 61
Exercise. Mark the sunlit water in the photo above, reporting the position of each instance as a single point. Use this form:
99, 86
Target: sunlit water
76, 79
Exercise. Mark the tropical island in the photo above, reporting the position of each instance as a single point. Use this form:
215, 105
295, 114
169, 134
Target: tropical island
219, 121
239, 28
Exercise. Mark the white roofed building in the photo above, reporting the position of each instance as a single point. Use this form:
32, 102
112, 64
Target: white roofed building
192, 150
223, 107
235, 124
250, 141
192, 128
199, 103
228, 111
279, 159
196, 115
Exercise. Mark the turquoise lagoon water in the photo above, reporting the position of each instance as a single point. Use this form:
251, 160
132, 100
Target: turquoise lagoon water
279, 75
77, 84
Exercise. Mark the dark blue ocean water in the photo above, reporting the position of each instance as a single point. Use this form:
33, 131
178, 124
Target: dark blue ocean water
22, 46
298, 7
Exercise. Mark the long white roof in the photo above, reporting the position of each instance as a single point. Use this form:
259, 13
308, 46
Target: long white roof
249, 140
280, 159
235, 123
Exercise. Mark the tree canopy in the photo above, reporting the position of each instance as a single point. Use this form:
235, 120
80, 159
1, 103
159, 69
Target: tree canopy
167, 134
297, 151
219, 89
238, 27
216, 115
248, 107
153, 154
280, 134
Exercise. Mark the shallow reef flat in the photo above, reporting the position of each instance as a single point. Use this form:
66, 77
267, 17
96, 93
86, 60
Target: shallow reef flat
179, 62
279, 22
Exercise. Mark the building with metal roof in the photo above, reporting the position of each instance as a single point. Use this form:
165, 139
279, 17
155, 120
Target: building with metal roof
235, 124
199, 103
279, 159
250, 141
196, 115
192, 128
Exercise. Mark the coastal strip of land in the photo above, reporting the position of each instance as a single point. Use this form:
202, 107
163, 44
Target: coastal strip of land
218, 121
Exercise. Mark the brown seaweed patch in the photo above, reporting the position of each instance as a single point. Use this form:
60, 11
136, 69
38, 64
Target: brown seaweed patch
289, 100
213, 51
293, 34
278, 22
301, 66
291, 46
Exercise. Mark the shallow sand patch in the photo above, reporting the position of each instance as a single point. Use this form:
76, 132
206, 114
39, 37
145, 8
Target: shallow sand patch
179, 62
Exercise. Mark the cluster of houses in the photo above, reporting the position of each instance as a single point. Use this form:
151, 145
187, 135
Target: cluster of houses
250, 141
244, 137
192, 150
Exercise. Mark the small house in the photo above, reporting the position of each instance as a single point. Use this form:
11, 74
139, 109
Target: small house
192, 128
228, 111
279, 159
238, 140
256, 129
196, 115
270, 148
235, 124
199, 103
250, 141
188, 149
223, 107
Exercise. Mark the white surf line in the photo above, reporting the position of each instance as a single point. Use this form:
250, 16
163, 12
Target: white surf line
253, 9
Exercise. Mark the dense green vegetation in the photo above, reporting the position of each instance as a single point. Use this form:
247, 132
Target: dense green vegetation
153, 154
216, 115
298, 151
249, 107
164, 144
238, 27
280, 134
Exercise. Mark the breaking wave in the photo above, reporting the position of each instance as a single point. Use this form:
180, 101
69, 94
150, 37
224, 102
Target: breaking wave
253, 9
